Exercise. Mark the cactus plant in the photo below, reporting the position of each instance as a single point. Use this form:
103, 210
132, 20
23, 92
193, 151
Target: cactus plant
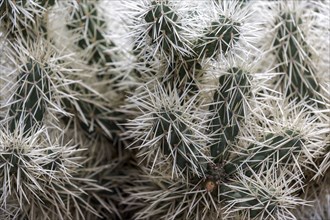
294, 55
30, 99
90, 27
164, 109
229, 109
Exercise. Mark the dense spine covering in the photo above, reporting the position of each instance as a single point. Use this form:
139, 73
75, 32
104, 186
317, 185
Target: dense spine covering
90, 28
229, 109
269, 194
223, 34
25, 18
275, 147
31, 97
164, 109
36, 160
164, 29
294, 57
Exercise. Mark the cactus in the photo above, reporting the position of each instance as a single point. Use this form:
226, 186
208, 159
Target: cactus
223, 34
30, 99
265, 195
279, 147
173, 198
294, 58
90, 26
33, 168
229, 109
166, 131
164, 27
25, 18
163, 109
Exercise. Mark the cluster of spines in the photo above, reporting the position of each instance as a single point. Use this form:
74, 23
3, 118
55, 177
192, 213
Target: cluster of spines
25, 19
268, 194
297, 60
184, 153
229, 109
34, 164
163, 33
183, 68
164, 30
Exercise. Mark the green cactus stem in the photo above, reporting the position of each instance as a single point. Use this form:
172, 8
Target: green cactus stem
184, 154
31, 97
164, 26
281, 146
14, 158
294, 57
87, 16
220, 37
229, 110
261, 203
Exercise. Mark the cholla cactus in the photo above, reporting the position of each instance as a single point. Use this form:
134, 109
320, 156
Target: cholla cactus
163, 109
293, 56
292, 42
90, 26
169, 130
230, 106
268, 195
279, 144
160, 196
